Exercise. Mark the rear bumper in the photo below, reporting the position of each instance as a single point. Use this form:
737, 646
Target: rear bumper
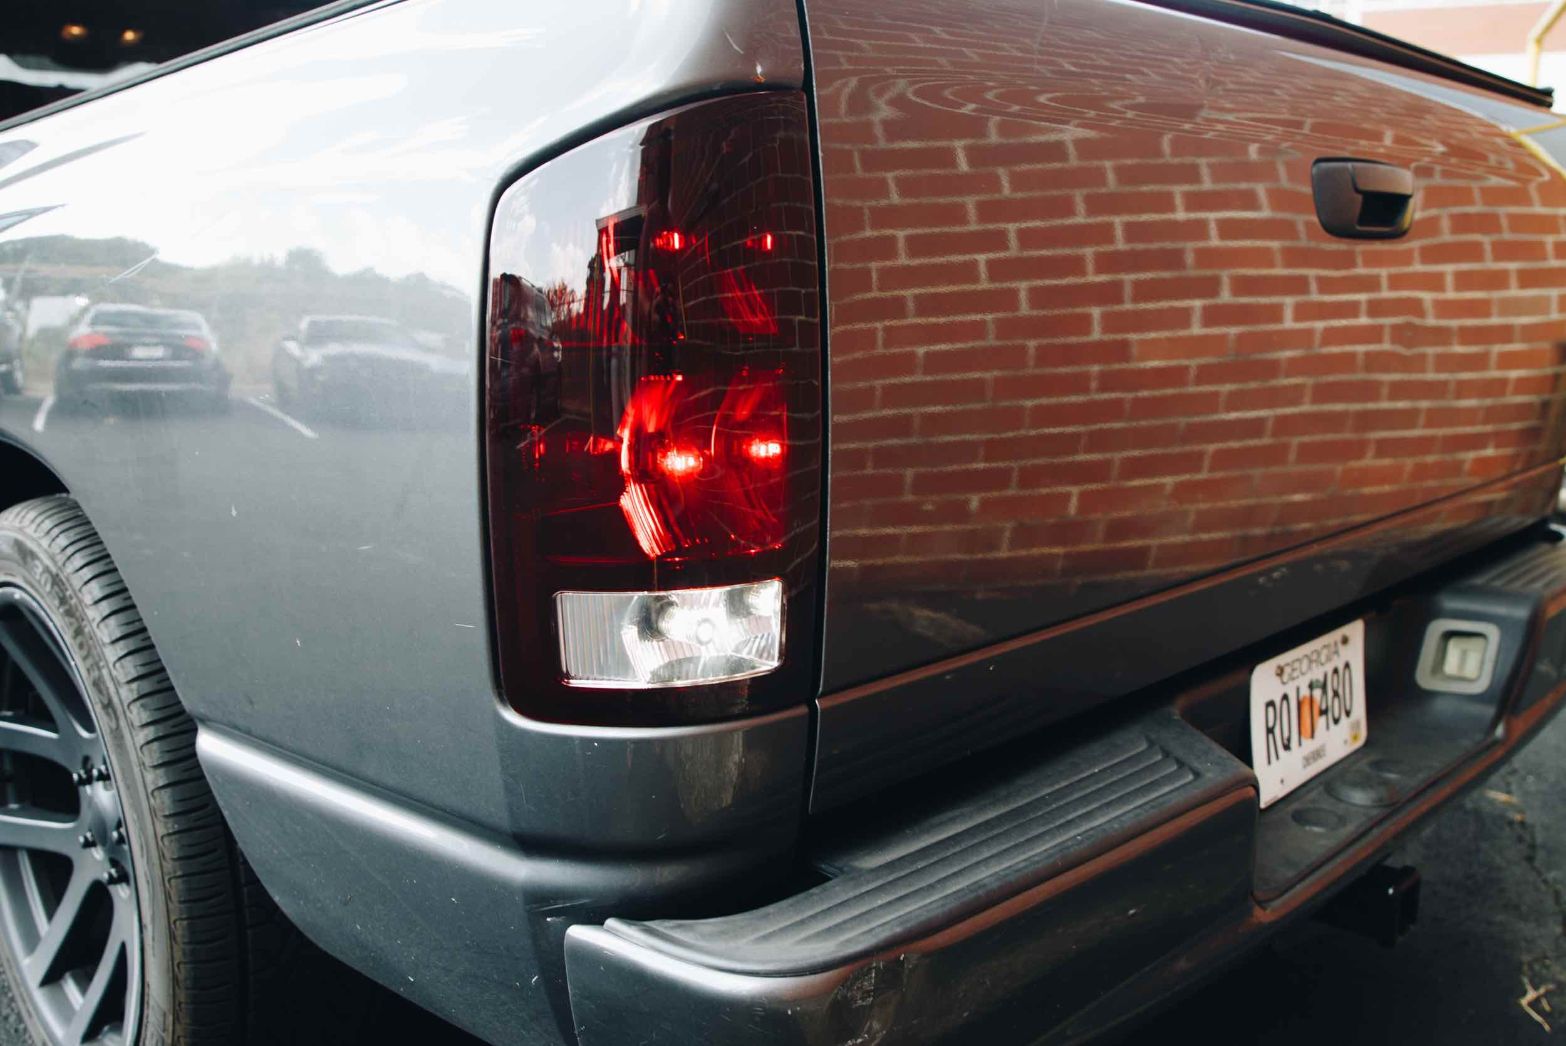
1075, 888
1002, 973
107, 376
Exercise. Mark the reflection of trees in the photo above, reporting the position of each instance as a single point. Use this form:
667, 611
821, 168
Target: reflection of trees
562, 300
249, 302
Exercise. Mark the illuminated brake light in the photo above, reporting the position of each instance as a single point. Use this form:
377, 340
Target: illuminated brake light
680, 463
669, 240
764, 450
654, 487
90, 340
677, 506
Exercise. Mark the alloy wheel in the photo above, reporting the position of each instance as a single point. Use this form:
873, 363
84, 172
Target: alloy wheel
68, 912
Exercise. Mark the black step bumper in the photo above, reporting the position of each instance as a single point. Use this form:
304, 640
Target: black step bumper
1053, 894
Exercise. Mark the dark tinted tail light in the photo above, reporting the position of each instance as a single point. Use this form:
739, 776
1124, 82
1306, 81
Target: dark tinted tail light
653, 415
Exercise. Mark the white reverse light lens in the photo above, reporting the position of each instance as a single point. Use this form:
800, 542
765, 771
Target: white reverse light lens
676, 638
1463, 658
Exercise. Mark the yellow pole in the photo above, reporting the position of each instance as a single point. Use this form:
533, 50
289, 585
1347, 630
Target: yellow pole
1546, 22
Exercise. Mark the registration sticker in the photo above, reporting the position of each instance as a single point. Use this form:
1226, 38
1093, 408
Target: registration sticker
1307, 710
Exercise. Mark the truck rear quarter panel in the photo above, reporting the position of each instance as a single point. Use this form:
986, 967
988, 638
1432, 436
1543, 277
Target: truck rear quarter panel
317, 586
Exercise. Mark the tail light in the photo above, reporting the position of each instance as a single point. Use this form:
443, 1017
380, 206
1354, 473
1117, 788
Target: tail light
653, 416
89, 340
196, 342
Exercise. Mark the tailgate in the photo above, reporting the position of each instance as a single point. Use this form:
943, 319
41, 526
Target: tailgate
1104, 391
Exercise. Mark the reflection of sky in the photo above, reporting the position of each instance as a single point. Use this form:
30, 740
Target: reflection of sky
1493, 107
1509, 115
547, 228
76, 79
378, 138
1553, 142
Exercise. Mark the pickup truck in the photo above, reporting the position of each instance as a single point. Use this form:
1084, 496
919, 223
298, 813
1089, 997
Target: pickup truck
943, 521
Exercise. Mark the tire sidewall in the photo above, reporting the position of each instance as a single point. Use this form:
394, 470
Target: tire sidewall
26, 563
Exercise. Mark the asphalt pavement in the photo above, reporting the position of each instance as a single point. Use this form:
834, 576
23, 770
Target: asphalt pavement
1492, 926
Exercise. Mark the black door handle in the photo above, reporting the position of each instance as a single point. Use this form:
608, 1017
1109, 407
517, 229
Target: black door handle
1363, 199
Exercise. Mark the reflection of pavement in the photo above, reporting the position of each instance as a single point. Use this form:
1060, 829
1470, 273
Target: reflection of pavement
263, 403
300, 538
42, 410
226, 501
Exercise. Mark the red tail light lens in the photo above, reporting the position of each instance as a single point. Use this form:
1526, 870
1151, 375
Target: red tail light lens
670, 240
653, 413
692, 488
196, 342
89, 340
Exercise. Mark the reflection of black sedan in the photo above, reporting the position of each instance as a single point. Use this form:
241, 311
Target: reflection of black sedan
130, 348
360, 362
522, 332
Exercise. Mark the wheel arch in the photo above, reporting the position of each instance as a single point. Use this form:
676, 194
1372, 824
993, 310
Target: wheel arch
24, 475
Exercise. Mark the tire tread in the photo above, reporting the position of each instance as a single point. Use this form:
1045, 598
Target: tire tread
230, 943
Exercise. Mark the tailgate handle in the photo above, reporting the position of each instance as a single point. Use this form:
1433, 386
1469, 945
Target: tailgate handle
1363, 199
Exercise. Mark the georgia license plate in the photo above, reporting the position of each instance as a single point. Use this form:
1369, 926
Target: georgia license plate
148, 352
1307, 710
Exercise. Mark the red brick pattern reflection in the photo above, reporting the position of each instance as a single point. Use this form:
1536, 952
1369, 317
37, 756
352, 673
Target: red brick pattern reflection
1086, 326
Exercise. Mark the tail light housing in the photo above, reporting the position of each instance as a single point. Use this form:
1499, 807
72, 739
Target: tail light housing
88, 340
653, 420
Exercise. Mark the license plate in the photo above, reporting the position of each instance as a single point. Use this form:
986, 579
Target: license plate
148, 352
1307, 710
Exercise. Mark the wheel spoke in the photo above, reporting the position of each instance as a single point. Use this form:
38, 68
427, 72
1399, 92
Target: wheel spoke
39, 966
92, 998
69, 918
30, 739
31, 654
25, 828
127, 927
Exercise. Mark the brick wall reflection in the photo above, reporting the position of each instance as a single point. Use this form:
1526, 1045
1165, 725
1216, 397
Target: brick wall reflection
1086, 326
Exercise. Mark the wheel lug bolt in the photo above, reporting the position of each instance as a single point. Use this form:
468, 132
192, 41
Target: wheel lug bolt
118, 836
81, 778
113, 876
100, 773
88, 840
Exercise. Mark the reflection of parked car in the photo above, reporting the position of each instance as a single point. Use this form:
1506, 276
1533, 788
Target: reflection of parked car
521, 321
354, 361
131, 348
12, 375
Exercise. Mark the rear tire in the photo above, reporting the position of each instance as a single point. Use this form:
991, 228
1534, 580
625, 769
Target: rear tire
211, 944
